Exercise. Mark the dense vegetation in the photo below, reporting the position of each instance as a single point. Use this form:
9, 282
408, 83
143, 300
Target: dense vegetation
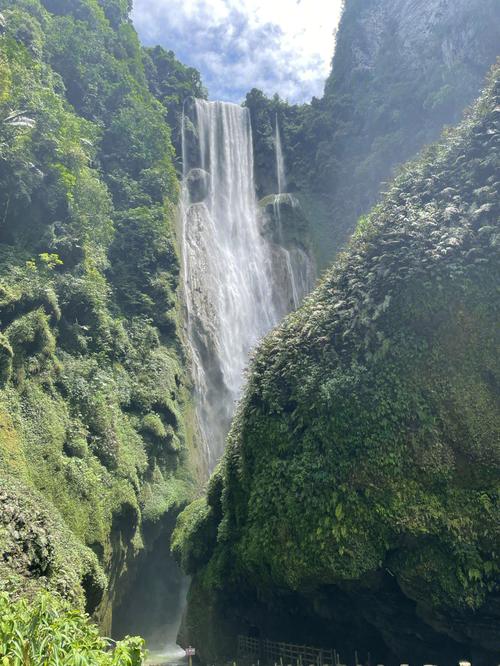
95, 436
364, 446
363, 464
46, 631
400, 72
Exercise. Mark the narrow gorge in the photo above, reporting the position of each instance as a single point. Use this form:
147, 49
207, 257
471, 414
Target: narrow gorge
249, 380
242, 272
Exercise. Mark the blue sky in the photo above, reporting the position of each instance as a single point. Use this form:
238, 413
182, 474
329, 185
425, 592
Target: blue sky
282, 46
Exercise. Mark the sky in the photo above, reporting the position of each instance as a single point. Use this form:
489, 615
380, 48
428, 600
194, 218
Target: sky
282, 46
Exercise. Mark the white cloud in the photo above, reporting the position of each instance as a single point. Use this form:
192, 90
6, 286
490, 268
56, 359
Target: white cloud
282, 46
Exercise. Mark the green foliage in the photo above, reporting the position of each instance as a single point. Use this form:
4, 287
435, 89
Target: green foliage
147, 281
49, 632
292, 120
172, 83
39, 551
5, 360
117, 11
194, 536
91, 365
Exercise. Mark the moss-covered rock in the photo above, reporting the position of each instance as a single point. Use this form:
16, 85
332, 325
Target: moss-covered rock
284, 221
39, 551
362, 469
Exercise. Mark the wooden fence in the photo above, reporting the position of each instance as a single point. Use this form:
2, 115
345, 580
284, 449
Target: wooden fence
285, 654
255, 650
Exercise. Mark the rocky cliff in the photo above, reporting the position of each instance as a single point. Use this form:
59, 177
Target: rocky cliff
357, 503
401, 71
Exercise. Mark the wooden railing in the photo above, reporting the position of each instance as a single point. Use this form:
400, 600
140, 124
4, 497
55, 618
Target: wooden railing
285, 654
257, 651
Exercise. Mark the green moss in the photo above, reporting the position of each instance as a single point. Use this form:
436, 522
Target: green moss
153, 424
33, 344
39, 551
6, 355
12, 457
164, 493
193, 536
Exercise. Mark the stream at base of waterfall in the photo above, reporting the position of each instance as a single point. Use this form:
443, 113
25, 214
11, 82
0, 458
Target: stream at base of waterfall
171, 655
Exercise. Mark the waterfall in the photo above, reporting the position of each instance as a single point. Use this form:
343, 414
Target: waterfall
280, 161
285, 252
297, 265
227, 263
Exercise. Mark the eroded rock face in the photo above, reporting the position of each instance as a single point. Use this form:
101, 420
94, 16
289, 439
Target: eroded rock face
417, 23
198, 184
402, 70
38, 551
362, 467
285, 226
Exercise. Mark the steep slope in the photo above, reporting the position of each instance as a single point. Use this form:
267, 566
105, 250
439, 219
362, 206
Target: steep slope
361, 479
96, 446
402, 70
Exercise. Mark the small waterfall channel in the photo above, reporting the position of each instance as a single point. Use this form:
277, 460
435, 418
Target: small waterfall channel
280, 159
293, 261
278, 201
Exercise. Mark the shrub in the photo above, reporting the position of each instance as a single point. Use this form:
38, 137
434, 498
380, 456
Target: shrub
5, 360
47, 631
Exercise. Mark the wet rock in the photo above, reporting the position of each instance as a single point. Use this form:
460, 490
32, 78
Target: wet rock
198, 184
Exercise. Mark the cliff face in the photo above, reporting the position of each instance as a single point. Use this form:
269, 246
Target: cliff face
401, 71
361, 473
431, 31
96, 445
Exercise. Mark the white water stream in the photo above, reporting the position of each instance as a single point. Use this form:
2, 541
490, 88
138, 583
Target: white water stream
227, 262
280, 160
298, 267
238, 283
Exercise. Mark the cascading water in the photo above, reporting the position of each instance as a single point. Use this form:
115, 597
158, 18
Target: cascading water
280, 160
227, 263
278, 201
298, 267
